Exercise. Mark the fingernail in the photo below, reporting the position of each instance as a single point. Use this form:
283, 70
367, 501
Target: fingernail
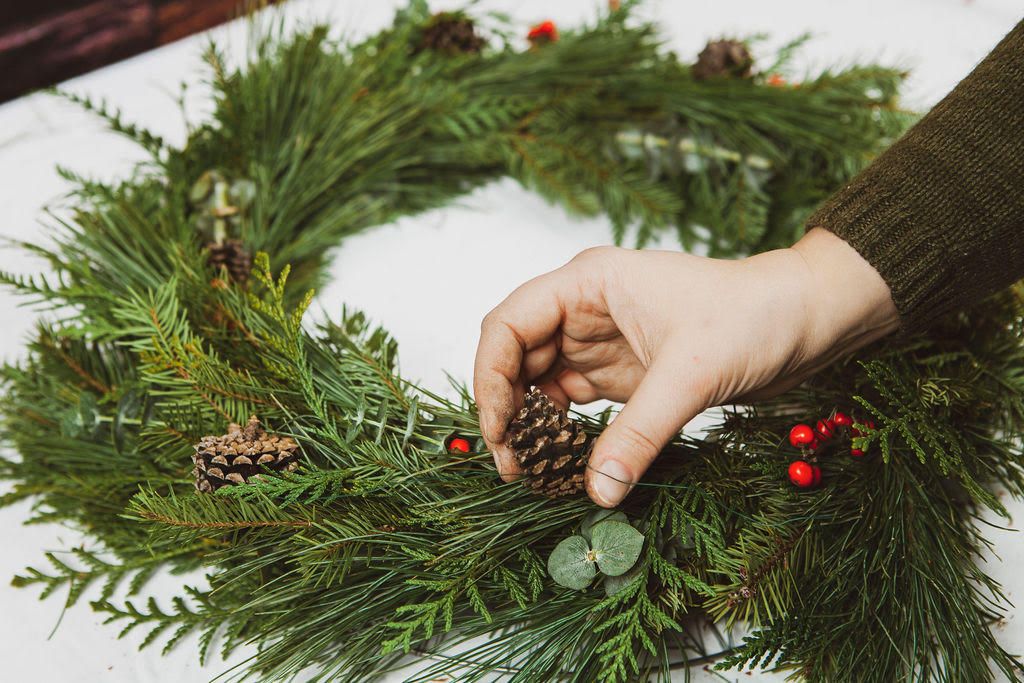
504, 463
485, 423
612, 482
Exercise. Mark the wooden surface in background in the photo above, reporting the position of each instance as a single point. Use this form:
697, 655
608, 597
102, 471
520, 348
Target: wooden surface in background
43, 42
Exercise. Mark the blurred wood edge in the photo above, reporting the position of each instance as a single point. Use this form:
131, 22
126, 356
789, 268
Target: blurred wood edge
49, 41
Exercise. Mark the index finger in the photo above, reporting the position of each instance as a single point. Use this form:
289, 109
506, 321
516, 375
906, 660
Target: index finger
524, 321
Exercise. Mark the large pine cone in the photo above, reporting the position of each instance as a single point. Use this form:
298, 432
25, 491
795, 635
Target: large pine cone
723, 58
240, 454
551, 448
450, 33
232, 255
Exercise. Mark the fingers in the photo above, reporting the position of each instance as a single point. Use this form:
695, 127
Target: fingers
557, 395
541, 361
515, 337
658, 409
567, 387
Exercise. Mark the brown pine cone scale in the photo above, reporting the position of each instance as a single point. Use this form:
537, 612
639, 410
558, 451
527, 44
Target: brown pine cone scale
232, 255
723, 58
241, 454
552, 449
450, 33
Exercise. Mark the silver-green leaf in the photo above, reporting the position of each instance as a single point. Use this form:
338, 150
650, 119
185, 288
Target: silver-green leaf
600, 515
613, 584
616, 546
571, 563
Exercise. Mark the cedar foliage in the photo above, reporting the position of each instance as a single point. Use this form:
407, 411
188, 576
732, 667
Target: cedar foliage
384, 544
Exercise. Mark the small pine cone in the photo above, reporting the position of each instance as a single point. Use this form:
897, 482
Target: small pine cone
552, 449
233, 255
452, 34
723, 58
242, 453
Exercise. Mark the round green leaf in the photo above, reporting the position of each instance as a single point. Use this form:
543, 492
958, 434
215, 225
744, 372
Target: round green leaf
128, 408
600, 515
201, 188
71, 424
570, 564
616, 545
242, 193
88, 412
613, 584
688, 541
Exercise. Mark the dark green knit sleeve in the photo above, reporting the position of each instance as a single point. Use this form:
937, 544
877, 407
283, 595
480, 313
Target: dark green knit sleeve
940, 214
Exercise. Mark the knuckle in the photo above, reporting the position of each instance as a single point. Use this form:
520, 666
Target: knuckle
597, 254
490, 320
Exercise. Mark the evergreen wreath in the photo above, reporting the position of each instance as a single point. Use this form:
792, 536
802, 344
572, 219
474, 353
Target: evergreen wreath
357, 517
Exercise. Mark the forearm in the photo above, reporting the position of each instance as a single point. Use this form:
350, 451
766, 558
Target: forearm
851, 303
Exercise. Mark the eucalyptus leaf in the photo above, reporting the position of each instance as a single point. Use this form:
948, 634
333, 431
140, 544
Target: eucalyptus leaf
600, 515
201, 188
571, 565
130, 404
410, 420
117, 433
88, 411
688, 541
671, 551
382, 420
616, 545
613, 584
148, 404
127, 408
70, 425
242, 193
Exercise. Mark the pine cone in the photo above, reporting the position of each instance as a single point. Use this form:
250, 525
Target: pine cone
551, 448
723, 58
233, 255
241, 454
450, 33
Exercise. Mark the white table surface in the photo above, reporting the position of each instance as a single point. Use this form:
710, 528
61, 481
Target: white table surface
499, 237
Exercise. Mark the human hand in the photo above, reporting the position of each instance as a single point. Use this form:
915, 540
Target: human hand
671, 334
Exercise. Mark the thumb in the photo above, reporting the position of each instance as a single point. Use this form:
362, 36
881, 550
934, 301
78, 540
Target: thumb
658, 409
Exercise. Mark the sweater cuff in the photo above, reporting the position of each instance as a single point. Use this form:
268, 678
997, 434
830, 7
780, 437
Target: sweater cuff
881, 229
940, 214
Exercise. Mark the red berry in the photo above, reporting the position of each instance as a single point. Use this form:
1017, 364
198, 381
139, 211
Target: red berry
825, 429
842, 420
459, 445
816, 480
801, 435
856, 452
545, 32
776, 80
801, 474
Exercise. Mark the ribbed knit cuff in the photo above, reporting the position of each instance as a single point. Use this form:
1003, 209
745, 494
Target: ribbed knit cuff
880, 225
940, 214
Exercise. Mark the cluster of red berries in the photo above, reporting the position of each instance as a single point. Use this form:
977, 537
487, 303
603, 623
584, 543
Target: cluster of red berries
804, 472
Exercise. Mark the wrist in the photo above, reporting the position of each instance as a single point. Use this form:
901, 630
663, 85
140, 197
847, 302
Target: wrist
849, 304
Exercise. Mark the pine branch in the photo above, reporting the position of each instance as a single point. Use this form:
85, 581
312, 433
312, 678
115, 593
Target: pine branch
154, 144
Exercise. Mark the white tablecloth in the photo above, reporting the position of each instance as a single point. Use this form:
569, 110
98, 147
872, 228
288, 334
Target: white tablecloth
442, 271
